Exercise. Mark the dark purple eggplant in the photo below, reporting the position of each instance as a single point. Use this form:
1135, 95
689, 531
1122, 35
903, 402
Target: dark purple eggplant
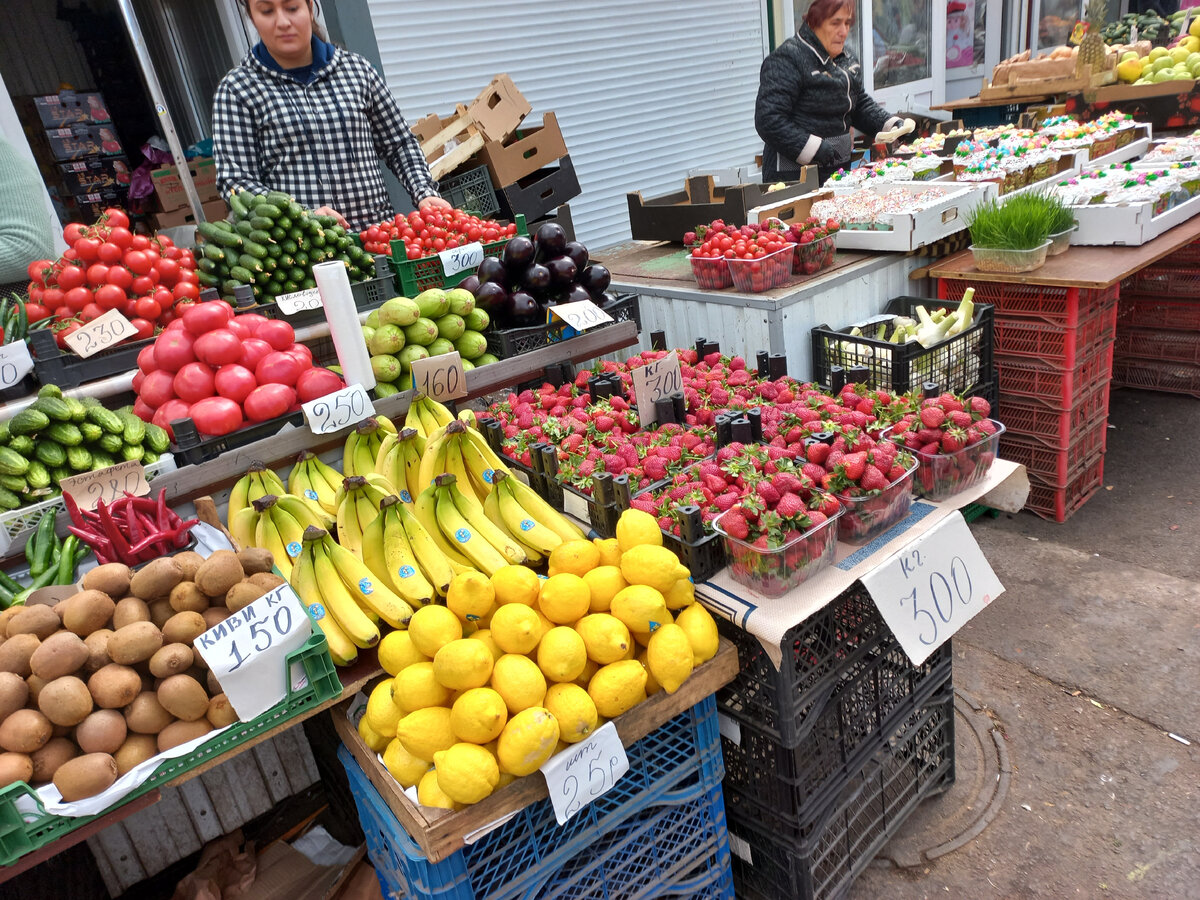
596, 279
522, 309
578, 254
550, 240
517, 253
492, 269
491, 296
578, 292
535, 279
470, 283
562, 271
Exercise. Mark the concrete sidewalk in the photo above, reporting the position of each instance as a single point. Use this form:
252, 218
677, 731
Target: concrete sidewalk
1081, 671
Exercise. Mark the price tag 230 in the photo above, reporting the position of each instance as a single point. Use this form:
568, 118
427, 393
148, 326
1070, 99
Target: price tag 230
459, 259
298, 301
440, 377
654, 381
107, 484
100, 333
15, 363
584, 771
338, 410
581, 315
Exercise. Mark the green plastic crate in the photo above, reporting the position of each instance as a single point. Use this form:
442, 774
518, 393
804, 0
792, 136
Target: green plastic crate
21, 833
416, 275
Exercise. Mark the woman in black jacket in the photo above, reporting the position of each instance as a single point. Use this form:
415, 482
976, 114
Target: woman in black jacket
810, 92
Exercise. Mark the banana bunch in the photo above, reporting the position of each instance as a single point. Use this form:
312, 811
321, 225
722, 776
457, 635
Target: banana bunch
315, 481
536, 526
363, 443
344, 596
275, 522
461, 451
426, 416
464, 523
257, 482
399, 461
358, 501
403, 555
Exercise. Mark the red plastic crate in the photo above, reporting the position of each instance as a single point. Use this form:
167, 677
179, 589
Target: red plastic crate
1187, 255
1060, 503
1051, 383
1048, 423
1154, 343
1156, 375
1055, 467
1167, 281
1055, 343
1054, 305
1143, 311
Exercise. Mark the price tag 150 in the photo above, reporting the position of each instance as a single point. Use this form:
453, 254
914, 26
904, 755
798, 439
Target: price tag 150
338, 410
15, 363
107, 484
440, 377
459, 259
932, 587
100, 333
298, 301
581, 315
587, 770
654, 381
247, 651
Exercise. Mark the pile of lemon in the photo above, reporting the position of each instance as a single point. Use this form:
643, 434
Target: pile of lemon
517, 666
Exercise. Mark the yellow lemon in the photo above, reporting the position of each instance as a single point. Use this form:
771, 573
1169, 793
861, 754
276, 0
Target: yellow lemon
516, 584
652, 686
701, 632
618, 687
590, 668
565, 598
544, 623
575, 557
637, 528
669, 657
640, 607
561, 655
471, 596
485, 635
382, 713
652, 565
430, 793
527, 741
370, 736
466, 773
516, 628
431, 627
463, 664
573, 709
519, 681
640, 639
604, 583
683, 594
417, 687
402, 765
610, 551
396, 651
478, 716
605, 637
426, 731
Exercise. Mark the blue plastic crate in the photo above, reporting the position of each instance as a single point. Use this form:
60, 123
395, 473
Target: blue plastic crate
659, 832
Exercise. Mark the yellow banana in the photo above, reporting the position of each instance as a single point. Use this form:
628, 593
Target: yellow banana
457, 529
304, 580
267, 536
491, 508
340, 602
367, 589
439, 571
308, 481
519, 521
403, 568
349, 530
543, 512
372, 550
480, 468
425, 512
412, 469
378, 486
433, 460
385, 450
467, 417
270, 480
258, 487
472, 511
440, 412
321, 471
428, 419
243, 525
238, 499
367, 513
386, 425
305, 512
291, 530
412, 419
456, 467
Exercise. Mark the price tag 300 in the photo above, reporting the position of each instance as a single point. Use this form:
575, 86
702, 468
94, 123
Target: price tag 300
654, 381
15, 363
298, 301
584, 771
338, 410
100, 333
581, 315
459, 259
440, 377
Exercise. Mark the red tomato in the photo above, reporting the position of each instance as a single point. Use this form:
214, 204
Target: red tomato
279, 334
77, 298
87, 249
217, 348
37, 269
145, 360
52, 297
121, 277
194, 382
140, 242
145, 328
317, 382
235, 382
71, 277
115, 217
109, 253
109, 296
36, 312
61, 336
149, 308
121, 236
73, 232
173, 349
142, 286
141, 409
207, 316
138, 262
216, 416
253, 350
63, 312
128, 308
97, 274
168, 270
91, 311
185, 288
269, 401
278, 368
157, 388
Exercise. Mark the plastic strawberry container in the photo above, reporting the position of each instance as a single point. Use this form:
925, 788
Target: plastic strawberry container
943, 475
774, 572
712, 274
864, 517
812, 257
753, 276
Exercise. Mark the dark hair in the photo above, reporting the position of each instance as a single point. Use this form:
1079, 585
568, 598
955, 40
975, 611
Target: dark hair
313, 5
825, 9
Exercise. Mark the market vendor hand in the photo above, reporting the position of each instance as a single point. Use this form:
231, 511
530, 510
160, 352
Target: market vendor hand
433, 203
330, 211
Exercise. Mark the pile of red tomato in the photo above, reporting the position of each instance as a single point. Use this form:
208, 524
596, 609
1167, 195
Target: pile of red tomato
106, 266
428, 232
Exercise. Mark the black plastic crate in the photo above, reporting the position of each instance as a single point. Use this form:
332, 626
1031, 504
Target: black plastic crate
509, 342
838, 838
471, 192
703, 554
52, 365
368, 295
540, 193
191, 448
959, 364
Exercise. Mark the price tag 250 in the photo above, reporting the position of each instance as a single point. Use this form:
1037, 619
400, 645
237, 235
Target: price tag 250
338, 410
100, 333
440, 377
15, 363
459, 259
587, 770
654, 381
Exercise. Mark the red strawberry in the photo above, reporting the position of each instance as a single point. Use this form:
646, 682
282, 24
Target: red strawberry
666, 523
727, 500
949, 402
896, 473
853, 465
953, 440
655, 468
872, 479
960, 418
987, 426
813, 471
604, 423
789, 505
932, 417
768, 493
817, 453
645, 504
786, 482
931, 449
980, 407
817, 517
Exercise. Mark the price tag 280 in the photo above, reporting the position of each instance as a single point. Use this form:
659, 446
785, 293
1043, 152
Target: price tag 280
100, 333
459, 259
654, 381
298, 301
107, 484
15, 363
584, 771
440, 377
338, 410
581, 315
931, 588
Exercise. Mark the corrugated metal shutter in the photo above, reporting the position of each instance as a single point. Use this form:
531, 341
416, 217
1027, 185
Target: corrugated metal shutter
643, 91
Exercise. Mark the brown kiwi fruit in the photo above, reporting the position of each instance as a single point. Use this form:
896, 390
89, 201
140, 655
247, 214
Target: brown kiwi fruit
155, 580
219, 573
85, 776
135, 642
110, 578
62, 653
183, 697
65, 701
145, 715
171, 659
88, 611
51, 757
16, 652
182, 628
25, 731
37, 619
104, 731
128, 611
114, 686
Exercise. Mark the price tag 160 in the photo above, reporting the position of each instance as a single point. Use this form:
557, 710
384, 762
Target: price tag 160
247, 651
581, 315
440, 377
100, 333
932, 587
587, 770
15, 363
654, 381
298, 301
107, 484
459, 259
338, 410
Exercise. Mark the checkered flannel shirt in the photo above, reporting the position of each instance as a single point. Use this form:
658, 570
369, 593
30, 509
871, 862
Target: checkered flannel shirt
320, 142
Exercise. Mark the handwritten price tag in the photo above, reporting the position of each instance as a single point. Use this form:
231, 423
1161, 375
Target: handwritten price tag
108, 484
338, 410
654, 381
100, 333
587, 770
933, 587
581, 315
298, 301
459, 259
440, 377
15, 363
247, 651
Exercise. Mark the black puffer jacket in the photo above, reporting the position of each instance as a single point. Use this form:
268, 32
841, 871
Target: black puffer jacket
804, 98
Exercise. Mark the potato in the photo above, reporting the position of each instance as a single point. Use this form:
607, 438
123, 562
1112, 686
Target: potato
155, 580
65, 701
51, 757
186, 596
35, 684
214, 616
171, 659
16, 652
14, 692
161, 612
181, 732
62, 653
266, 580
88, 611
37, 619
220, 712
136, 750
25, 731
135, 642
242, 595
190, 561
145, 715
114, 686
183, 697
130, 610
6, 616
255, 560
182, 628
85, 776
15, 767
219, 573
104, 731
110, 578
97, 644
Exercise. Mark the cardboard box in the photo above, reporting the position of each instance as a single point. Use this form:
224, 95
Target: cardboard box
670, 216
81, 141
918, 228
69, 108
499, 109
98, 173
1127, 225
213, 210
535, 195
534, 148
169, 189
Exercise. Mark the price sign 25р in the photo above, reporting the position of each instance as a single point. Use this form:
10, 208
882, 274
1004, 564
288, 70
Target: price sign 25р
584, 771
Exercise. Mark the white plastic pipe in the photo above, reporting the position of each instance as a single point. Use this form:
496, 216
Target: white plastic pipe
342, 315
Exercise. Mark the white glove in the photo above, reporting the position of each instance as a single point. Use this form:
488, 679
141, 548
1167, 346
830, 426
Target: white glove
905, 127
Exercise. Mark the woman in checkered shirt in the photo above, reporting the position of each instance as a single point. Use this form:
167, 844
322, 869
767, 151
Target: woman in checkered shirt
302, 116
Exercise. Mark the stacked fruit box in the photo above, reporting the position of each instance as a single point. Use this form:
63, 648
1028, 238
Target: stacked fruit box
1053, 356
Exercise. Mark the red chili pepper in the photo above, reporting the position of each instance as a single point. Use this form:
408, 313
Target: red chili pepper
131, 522
163, 521
119, 544
161, 537
96, 541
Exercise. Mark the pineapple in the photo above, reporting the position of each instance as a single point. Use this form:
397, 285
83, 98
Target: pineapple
1090, 59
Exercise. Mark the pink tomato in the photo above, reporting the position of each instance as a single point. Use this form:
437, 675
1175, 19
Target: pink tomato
268, 401
193, 382
216, 416
235, 382
207, 316
138, 377
142, 411
302, 355
219, 347
277, 368
317, 382
173, 350
145, 359
279, 334
252, 321
157, 388
239, 328
253, 350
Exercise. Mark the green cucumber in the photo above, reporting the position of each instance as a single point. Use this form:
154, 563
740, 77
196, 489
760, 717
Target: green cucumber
238, 276
258, 251
210, 232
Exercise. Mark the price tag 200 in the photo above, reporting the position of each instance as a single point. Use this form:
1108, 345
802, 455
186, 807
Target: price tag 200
100, 333
587, 770
581, 315
107, 484
459, 259
440, 377
298, 301
15, 363
654, 381
931, 588
338, 410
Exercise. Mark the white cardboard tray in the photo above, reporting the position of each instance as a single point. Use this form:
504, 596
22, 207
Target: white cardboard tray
1107, 224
